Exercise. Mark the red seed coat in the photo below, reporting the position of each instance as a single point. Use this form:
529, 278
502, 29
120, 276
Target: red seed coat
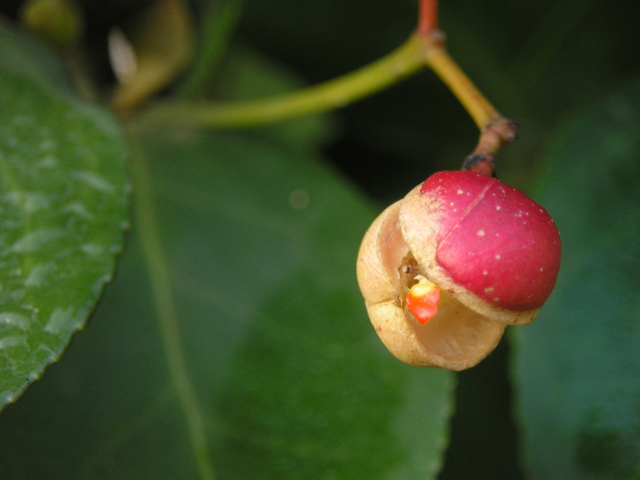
494, 240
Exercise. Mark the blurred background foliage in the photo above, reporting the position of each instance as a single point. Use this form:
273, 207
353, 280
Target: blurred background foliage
541, 63
535, 62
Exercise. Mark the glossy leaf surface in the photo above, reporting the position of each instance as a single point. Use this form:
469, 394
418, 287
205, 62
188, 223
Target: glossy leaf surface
63, 207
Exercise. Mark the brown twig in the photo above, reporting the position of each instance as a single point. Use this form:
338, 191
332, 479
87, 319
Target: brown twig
427, 17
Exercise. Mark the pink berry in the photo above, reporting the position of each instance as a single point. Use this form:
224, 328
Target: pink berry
494, 240
491, 253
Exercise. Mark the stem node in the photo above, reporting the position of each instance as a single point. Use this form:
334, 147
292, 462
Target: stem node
498, 132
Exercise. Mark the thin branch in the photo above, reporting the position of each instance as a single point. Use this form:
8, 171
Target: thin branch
424, 48
337, 93
478, 107
427, 17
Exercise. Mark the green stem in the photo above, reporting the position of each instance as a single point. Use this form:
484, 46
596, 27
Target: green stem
167, 315
424, 48
476, 105
336, 93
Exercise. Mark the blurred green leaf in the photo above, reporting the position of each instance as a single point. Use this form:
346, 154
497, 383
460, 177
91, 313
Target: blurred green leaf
291, 377
64, 207
578, 366
22, 55
218, 21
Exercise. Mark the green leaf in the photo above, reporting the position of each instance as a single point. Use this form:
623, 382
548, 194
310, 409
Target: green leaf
288, 376
64, 206
578, 365
22, 55
218, 22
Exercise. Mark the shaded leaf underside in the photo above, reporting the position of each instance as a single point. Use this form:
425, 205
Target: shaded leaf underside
578, 365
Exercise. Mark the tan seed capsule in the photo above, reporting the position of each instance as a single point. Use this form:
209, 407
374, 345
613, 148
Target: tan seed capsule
422, 244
